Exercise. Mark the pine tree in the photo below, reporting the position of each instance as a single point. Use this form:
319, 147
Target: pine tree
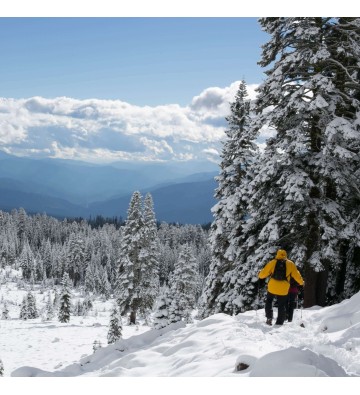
161, 315
301, 186
56, 302
115, 326
32, 311
129, 270
91, 275
22, 227
27, 261
307, 172
65, 300
87, 305
76, 258
175, 313
149, 260
104, 285
238, 156
5, 312
49, 308
47, 258
184, 286
24, 314
77, 308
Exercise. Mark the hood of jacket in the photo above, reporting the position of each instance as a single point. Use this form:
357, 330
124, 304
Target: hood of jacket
281, 254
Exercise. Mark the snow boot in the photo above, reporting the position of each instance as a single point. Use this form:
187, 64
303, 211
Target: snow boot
269, 321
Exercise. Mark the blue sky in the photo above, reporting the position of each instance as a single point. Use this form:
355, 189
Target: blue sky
134, 88
143, 61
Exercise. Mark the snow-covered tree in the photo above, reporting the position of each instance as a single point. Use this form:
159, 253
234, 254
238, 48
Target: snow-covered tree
149, 260
96, 345
238, 156
104, 287
184, 284
76, 258
28, 309
1, 368
47, 258
24, 315
77, 308
27, 261
299, 196
115, 326
175, 312
129, 264
32, 311
65, 299
49, 308
87, 305
137, 283
161, 314
91, 275
56, 301
5, 311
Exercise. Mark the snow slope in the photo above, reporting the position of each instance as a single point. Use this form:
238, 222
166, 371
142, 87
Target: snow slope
219, 346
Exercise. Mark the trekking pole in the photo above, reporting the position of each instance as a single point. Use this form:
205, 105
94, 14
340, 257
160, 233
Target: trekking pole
257, 302
297, 302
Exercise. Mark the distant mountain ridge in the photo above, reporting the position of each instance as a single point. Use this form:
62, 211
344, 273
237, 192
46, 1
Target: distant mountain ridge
188, 203
78, 189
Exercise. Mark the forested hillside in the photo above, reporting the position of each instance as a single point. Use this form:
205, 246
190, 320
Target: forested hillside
298, 191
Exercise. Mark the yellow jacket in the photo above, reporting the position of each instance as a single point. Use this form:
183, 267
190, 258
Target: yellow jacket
277, 287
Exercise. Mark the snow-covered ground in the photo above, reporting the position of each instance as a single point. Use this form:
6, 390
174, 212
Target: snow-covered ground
219, 346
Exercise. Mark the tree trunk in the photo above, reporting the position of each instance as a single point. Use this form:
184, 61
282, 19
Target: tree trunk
315, 287
132, 317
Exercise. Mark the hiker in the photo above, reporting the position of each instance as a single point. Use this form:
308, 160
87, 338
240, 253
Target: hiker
280, 271
291, 300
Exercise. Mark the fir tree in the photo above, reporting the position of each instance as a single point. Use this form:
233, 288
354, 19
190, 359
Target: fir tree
183, 286
65, 300
161, 315
47, 259
49, 308
129, 270
300, 195
104, 285
96, 345
115, 326
32, 311
56, 302
87, 305
27, 261
91, 275
76, 258
24, 314
149, 260
175, 312
226, 232
77, 309
5, 312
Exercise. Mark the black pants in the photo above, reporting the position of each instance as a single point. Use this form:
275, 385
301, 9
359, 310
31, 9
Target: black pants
291, 304
281, 300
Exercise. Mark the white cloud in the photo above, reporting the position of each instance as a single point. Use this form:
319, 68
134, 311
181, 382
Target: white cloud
107, 130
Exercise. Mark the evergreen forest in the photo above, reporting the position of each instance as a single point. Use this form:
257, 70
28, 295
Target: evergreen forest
297, 190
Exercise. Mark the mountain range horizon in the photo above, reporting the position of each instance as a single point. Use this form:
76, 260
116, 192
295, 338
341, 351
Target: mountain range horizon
183, 192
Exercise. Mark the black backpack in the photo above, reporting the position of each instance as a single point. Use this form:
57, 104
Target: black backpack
280, 270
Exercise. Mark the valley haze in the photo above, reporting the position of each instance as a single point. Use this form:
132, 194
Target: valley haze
63, 188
